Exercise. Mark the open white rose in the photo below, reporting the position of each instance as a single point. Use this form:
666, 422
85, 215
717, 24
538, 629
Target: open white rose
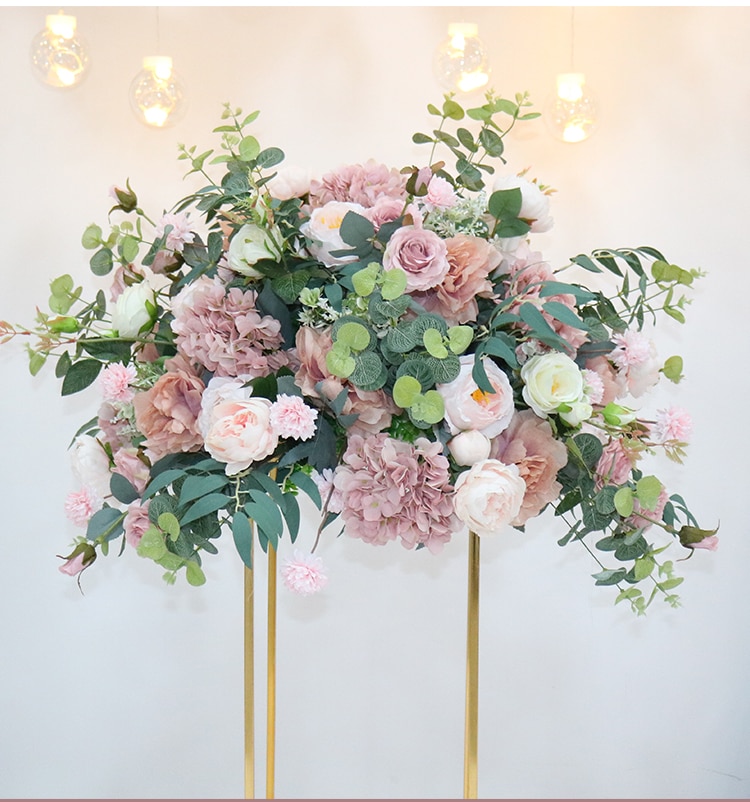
489, 496
135, 310
550, 380
251, 244
323, 228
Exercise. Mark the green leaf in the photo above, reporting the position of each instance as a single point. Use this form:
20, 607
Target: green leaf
467, 140
406, 390
106, 523
394, 284
101, 262
205, 506
505, 203
340, 362
168, 523
452, 110
609, 576
369, 373
129, 248
162, 480
647, 491
624, 502
364, 280
564, 314
491, 142
433, 342
307, 485
266, 516
196, 486
459, 338
421, 139
248, 148
673, 369
355, 229
122, 489
152, 545
429, 407
242, 532
194, 573
80, 375
540, 329
354, 335
644, 566
589, 448
289, 286
92, 237
269, 157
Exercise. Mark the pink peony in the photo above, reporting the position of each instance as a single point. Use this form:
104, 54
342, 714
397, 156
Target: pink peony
470, 262
615, 464
180, 234
674, 423
530, 444
167, 414
136, 522
224, 332
489, 496
468, 407
304, 573
440, 194
357, 183
291, 417
80, 505
115, 381
421, 254
240, 433
375, 408
392, 489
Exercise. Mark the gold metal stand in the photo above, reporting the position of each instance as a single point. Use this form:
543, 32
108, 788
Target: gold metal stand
270, 681
472, 673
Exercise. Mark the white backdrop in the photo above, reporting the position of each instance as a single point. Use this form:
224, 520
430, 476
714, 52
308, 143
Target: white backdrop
135, 689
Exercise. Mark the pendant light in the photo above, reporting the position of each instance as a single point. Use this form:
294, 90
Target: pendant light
460, 63
59, 55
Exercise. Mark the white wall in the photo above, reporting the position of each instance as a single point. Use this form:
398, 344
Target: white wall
135, 689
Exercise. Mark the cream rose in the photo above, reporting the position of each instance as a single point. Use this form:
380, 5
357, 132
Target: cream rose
241, 433
534, 203
289, 182
251, 244
550, 380
489, 496
469, 447
323, 228
135, 310
468, 407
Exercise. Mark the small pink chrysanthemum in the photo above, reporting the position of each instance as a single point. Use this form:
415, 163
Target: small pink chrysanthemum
674, 423
304, 573
81, 505
180, 233
593, 386
440, 194
633, 348
291, 417
115, 381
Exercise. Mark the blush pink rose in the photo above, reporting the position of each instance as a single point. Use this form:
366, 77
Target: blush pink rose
421, 254
136, 522
529, 444
240, 433
468, 407
488, 496
440, 194
129, 464
615, 464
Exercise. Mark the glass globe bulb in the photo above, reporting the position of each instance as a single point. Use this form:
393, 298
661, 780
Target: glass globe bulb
58, 55
572, 112
157, 94
460, 63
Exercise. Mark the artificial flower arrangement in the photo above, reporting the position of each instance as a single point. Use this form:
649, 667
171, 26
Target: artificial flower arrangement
386, 342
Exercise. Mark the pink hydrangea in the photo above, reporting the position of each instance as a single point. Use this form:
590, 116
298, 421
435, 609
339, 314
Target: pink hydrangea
673, 423
136, 522
115, 381
180, 234
81, 504
304, 573
224, 332
392, 489
358, 183
291, 417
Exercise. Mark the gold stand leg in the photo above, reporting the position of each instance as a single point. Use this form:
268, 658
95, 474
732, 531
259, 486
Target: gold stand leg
271, 677
249, 687
472, 673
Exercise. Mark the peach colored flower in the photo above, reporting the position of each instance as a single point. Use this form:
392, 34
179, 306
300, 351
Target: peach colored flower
470, 261
529, 444
488, 496
240, 433
167, 414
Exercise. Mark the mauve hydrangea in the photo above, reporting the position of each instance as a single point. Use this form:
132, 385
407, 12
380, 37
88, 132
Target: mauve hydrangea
358, 183
392, 489
224, 332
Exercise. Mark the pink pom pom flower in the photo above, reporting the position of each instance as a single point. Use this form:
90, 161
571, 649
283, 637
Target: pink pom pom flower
304, 573
290, 416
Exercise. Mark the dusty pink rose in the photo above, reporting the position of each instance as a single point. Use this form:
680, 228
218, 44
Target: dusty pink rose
292, 417
82, 556
673, 423
375, 408
358, 183
240, 433
488, 496
129, 465
167, 414
470, 262
468, 407
136, 522
396, 490
81, 504
529, 444
642, 518
440, 194
387, 209
223, 331
180, 233
304, 573
421, 254
115, 381
615, 464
